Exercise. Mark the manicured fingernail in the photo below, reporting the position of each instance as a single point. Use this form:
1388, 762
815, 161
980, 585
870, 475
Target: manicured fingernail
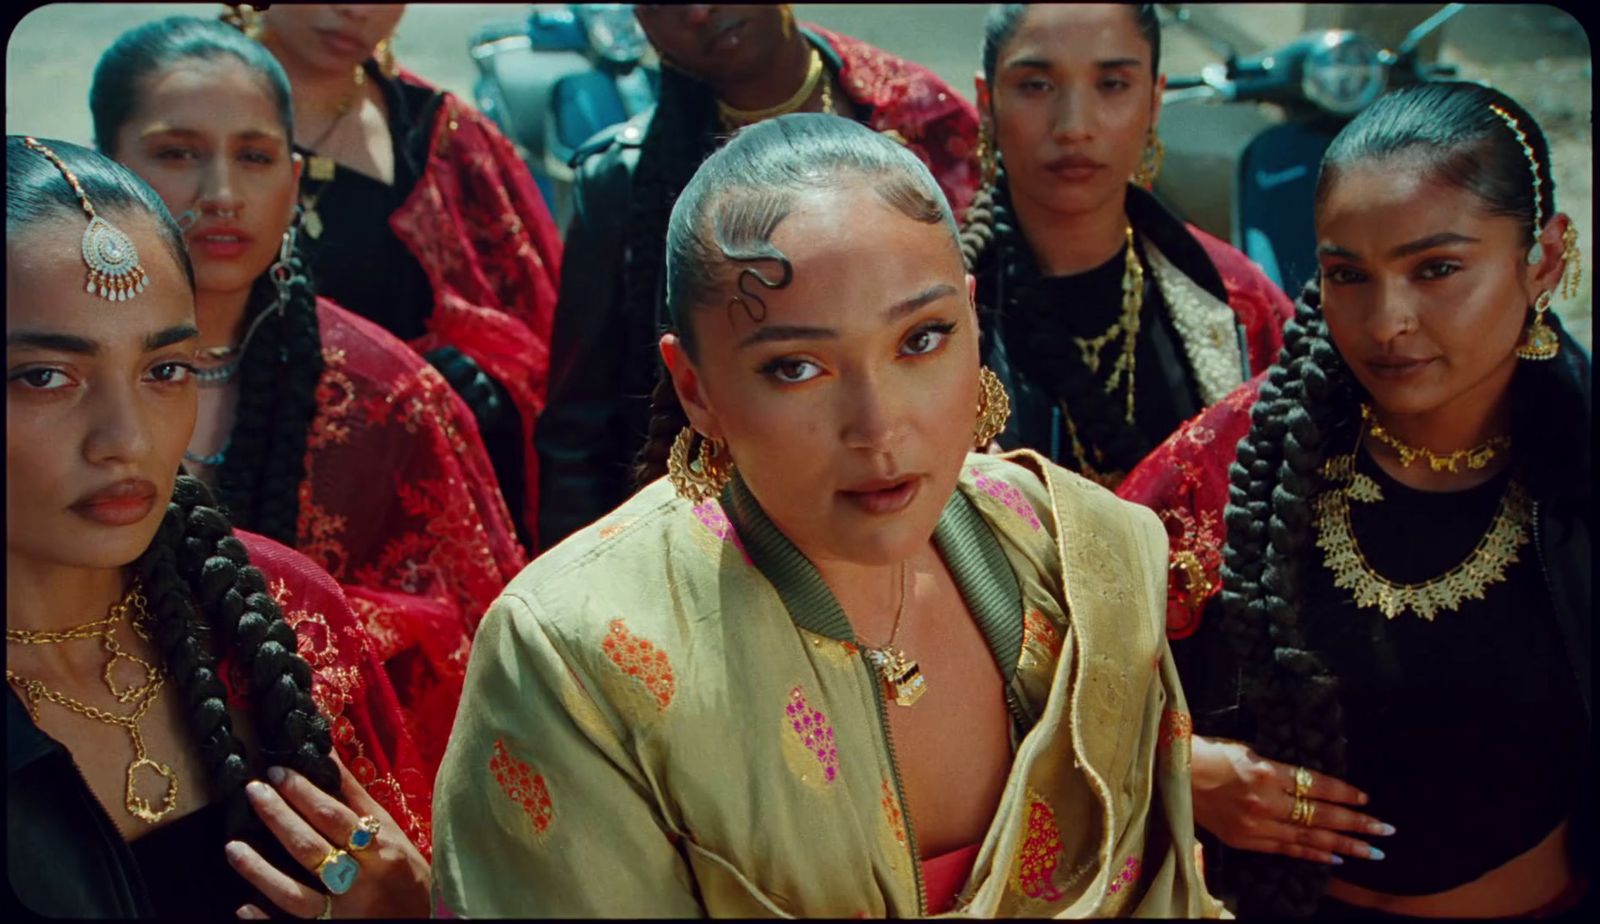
1338, 860
1380, 828
256, 790
276, 775
1376, 853
1361, 798
235, 851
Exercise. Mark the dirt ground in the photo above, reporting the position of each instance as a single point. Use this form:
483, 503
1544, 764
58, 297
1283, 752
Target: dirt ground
1538, 54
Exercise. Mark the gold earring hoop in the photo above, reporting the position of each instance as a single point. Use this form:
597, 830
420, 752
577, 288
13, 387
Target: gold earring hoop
994, 408
1150, 164
1572, 258
1539, 340
988, 156
702, 477
384, 52
786, 20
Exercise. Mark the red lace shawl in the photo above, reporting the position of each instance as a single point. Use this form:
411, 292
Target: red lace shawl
482, 233
400, 505
349, 687
911, 102
1185, 479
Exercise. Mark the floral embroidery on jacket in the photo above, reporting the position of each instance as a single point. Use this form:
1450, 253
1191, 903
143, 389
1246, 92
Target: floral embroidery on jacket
891, 814
1125, 878
712, 517
1040, 853
524, 787
1041, 637
811, 730
646, 664
1009, 495
1175, 726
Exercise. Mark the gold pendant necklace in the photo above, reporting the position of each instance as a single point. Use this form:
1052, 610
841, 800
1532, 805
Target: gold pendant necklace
1487, 564
321, 167
1126, 326
143, 695
902, 678
1476, 457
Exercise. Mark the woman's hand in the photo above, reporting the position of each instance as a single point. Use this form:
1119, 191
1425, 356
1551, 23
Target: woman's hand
1249, 801
393, 879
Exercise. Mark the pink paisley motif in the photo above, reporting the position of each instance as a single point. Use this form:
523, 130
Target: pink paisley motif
712, 517
1007, 494
1040, 854
815, 733
1124, 879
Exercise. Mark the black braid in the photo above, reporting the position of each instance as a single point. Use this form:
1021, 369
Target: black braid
992, 243
666, 420
1306, 405
195, 558
259, 480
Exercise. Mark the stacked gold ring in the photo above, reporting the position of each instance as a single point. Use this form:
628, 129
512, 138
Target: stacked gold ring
1303, 811
1302, 782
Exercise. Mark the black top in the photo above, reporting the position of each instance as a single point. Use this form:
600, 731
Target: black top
1468, 732
187, 875
1085, 305
358, 261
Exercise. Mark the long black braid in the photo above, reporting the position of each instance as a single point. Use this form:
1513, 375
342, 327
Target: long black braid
1309, 404
993, 246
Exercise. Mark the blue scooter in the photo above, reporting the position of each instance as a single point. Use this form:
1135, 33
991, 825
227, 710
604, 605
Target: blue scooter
1320, 81
554, 79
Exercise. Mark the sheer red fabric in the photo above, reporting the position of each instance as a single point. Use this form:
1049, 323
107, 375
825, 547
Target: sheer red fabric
944, 875
479, 228
349, 686
910, 103
400, 505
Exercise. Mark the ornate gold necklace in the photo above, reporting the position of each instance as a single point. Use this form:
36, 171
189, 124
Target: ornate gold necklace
142, 695
1126, 326
1476, 457
1487, 564
321, 167
734, 118
901, 677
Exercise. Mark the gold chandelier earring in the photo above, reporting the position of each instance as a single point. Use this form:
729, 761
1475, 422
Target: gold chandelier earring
1539, 340
994, 408
698, 477
1572, 260
1150, 164
988, 156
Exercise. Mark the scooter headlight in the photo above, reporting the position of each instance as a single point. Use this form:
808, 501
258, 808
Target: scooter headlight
1344, 72
614, 34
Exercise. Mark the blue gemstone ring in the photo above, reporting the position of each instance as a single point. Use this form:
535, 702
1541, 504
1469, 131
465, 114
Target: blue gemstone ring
338, 871
364, 835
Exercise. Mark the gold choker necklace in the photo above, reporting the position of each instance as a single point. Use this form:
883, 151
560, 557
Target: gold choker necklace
734, 118
1487, 564
1476, 457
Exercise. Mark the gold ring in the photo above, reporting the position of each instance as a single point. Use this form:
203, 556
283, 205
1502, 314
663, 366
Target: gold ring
364, 835
1302, 782
338, 871
327, 908
1303, 810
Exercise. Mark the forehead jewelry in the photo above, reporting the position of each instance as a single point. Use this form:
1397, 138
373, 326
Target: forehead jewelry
1536, 252
114, 270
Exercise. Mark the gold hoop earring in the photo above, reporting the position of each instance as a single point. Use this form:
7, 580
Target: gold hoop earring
703, 477
384, 52
988, 156
994, 408
1572, 258
1150, 164
786, 18
1539, 340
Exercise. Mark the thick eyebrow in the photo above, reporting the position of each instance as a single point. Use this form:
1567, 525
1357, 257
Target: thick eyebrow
253, 134
70, 343
898, 310
1041, 64
1405, 250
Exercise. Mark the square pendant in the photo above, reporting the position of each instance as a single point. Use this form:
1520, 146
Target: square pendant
320, 168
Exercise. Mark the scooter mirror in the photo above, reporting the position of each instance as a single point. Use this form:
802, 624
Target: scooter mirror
1425, 28
614, 34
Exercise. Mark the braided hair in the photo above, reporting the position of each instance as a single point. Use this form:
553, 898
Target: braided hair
202, 590
729, 210
1308, 403
259, 478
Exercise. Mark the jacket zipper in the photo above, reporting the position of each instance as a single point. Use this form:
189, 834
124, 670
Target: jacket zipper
899, 790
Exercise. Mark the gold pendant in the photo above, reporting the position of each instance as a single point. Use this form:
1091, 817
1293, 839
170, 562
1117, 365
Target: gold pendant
320, 167
311, 221
900, 674
139, 806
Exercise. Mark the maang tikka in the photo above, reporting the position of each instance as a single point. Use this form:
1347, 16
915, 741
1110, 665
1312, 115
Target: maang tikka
113, 261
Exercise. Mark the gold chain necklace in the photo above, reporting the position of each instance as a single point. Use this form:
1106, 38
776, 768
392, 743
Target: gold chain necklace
734, 118
1487, 564
1476, 457
321, 167
143, 695
901, 676
1126, 326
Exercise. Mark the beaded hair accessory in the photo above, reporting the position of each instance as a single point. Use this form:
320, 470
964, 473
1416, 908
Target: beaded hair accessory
114, 270
1536, 252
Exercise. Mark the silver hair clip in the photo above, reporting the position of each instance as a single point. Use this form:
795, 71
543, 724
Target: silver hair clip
114, 270
1536, 252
